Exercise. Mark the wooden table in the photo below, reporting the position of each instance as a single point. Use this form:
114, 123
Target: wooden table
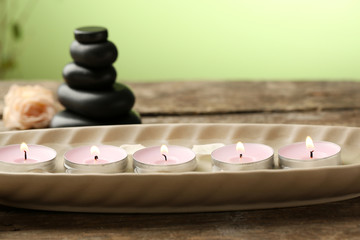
325, 103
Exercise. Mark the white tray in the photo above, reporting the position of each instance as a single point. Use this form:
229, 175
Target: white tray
198, 191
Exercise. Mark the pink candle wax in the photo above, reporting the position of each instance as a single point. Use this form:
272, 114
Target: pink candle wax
37, 156
254, 156
108, 159
298, 155
177, 159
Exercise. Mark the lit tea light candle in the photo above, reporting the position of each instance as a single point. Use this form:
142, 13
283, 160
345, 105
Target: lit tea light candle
309, 154
27, 158
164, 159
242, 156
96, 159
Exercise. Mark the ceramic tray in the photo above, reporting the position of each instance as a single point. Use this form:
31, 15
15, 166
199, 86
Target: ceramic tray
199, 191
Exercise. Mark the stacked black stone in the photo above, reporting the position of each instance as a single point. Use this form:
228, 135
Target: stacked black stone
90, 94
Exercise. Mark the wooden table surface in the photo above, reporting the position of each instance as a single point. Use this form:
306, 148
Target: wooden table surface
324, 103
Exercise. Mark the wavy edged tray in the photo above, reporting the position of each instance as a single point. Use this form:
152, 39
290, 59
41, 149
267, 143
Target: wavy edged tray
198, 191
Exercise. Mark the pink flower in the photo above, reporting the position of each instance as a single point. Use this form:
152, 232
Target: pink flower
29, 107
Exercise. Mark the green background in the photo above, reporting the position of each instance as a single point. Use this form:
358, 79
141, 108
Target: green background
198, 39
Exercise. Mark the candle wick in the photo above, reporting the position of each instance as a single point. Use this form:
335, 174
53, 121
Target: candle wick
96, 157
25, 155
312, 154
165, 157
240, 155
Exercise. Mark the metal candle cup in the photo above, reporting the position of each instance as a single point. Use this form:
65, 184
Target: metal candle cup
37, 158
109, 159
152, 159
297, 155
255, 156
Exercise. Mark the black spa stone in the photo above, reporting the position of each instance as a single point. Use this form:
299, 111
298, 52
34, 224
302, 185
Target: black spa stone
95, 55
70, 119
91, 34
101, 105
89, 78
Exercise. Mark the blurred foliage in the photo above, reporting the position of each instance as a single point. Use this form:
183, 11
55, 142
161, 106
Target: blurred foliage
11, 33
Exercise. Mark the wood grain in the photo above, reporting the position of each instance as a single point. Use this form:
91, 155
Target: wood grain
338, 220
327, 103
239, 97
340, 118
170, 98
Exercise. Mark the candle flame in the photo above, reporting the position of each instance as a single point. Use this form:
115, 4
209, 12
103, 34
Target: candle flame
24, 147
309, 143
94, 150
164, 149
240, 147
